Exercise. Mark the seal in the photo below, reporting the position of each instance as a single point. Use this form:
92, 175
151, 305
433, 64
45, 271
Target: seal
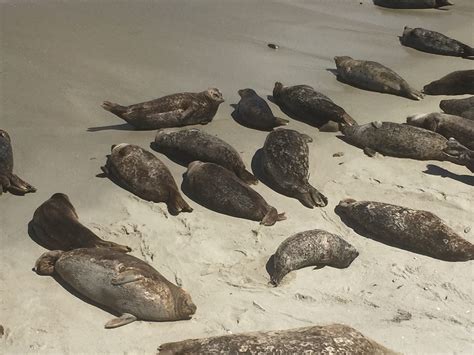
9, 181
253, 111
456, 83
448, 126
174, 110
188, 145
434, 42
56, 226
459, 107
311, 248
220, 190
412, 4
417, 231
140, 172
305, 104
121, 282
285, 165
373, 76
329, 339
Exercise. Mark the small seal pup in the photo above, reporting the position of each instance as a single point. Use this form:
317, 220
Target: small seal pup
140, 172
417, 231
448, 126
434, 42
220, 190
412, 4
285, 164
174, 110
120, 282
311, 248
456, 83
373, 76
9, 181
459, 107
188, 145
328, 339
305, 104
56, 225
253, 111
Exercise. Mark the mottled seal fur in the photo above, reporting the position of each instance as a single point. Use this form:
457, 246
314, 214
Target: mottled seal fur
193, 144
9, 181
412, 4
448, 126
373, 76
220, 190
174, 110
459, 107
434, 42
121, 282
329, 339
456, 83
140, 172
311, 248
56, 226
285, 163
414, 230
304, 103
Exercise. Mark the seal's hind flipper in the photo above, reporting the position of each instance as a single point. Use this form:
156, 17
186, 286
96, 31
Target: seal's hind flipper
247, 177
370, 152
177, 204
19, 186
272, 217
126, 277
45, 263
124, 319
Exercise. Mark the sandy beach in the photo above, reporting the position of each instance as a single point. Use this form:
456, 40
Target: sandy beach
60, 60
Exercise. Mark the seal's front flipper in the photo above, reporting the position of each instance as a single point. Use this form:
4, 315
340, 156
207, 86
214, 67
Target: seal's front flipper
124, 319
19, 186
370, 152
272, 217
126, 277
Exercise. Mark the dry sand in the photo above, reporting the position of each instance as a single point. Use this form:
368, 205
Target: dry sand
60, 60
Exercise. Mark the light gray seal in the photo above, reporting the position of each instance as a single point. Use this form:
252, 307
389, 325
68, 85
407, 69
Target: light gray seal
140, 172
434, 42
417, 231
218, 189
456, 83
174, 110
329, 339
373, 76
459, 107
449, 126
9, 181
188, 145
311, 248
56, 225
120, 282
412, 4
285, 163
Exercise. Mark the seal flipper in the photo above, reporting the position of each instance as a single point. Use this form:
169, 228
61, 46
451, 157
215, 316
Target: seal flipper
126, 277
468, 52
124, 319
272, 217
116, 109
312, 198
280, 121
177, 204
247, 177
45, 263
4, 184
370, 152
19, 186
459, 154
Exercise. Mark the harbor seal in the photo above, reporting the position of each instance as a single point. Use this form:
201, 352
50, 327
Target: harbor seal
174, 110
434, 42
448, 126
456, 83
253, 111
193, 144
305, 104
412, 4
459, 107
311, 248
417, 231
373, 76
329, 339
140, 172
120, 282
9, 181
220, 190
285, 165
56, 226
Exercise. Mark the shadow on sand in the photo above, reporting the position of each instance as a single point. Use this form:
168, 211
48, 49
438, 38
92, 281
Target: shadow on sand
116, 127
439, 171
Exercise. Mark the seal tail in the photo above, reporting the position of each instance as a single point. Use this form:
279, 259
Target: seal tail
272, 217
19, 186
176, 204
247, 177
116, 109
280, 121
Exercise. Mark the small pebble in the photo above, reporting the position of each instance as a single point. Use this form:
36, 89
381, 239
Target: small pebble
338, 154
467, 229
273, 46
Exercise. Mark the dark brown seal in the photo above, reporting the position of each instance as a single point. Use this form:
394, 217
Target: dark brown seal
220, 190
412, 4
174, 110
329, 339
285, 163
459, 107
140, 172
311, 248
188, 145
56, 226
121, 282
9, 181
456, 83
417, 231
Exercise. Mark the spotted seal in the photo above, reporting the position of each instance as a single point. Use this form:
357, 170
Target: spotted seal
459, 107
456, 83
